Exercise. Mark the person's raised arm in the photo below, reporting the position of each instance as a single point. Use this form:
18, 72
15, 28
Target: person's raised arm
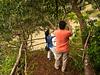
70, 27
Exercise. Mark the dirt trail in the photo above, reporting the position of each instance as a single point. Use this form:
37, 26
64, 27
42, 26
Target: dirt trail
39, 65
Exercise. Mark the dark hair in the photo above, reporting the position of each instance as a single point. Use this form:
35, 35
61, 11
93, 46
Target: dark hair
62, 24
47, 32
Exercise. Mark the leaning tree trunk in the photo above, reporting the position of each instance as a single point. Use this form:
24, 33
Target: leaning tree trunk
25, 56
87, 65
25, 37
88, 70
83, 26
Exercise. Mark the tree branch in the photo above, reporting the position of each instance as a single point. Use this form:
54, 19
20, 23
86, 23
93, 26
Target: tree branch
17, 61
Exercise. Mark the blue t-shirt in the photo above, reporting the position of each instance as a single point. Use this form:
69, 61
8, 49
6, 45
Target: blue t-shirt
49, 41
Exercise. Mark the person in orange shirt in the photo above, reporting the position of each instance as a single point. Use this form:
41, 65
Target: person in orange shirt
62, 44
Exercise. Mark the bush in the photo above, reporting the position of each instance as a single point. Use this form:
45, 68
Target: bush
94, 48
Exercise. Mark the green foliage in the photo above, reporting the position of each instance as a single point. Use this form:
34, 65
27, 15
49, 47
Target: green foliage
72, 16
7, 65
7, 61
24, 17
95, 3
19, 16
75, 50
85, 16
94, 47
8, 54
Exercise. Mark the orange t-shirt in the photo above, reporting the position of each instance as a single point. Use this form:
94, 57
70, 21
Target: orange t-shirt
62, 40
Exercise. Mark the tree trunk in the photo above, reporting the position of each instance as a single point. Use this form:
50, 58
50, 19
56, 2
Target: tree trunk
88, 70
82, 23
25, 54
25, 62
25, 37
87, 66
17, 61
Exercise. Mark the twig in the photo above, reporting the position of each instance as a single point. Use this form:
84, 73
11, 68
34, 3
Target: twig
85, 45
50, 23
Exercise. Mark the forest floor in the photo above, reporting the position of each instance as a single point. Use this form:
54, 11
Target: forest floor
38, 64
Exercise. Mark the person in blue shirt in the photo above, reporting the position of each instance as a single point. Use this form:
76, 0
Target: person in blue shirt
49, 44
